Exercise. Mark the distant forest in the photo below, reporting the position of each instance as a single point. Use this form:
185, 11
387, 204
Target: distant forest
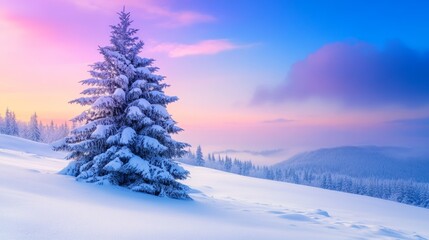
399, 190
33, 129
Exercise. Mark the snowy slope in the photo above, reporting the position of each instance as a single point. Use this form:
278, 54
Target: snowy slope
363, 161
37, 203
28, 146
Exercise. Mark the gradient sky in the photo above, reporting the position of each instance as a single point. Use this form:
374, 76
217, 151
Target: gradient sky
261, 80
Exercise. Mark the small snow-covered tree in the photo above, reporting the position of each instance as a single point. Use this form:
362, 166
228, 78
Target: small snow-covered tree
63, 130
227, 164
124, 138
199, 158
33, 129
23, 130
10, 124
1, 124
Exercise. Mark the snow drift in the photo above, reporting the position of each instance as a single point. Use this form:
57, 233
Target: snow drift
38, 203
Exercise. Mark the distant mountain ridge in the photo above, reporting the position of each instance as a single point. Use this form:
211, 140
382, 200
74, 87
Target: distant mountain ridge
363, 162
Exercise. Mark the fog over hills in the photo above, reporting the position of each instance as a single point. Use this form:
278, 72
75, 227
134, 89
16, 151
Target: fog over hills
363, 162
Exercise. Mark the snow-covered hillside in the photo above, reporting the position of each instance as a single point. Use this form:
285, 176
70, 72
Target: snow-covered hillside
37, 203
363, 162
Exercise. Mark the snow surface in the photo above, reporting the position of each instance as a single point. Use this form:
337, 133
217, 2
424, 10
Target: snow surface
140, 166
101, 131
160, 110
142, 103
113, 165
37, 203
119, 94
128, 135
134, 113
27, 146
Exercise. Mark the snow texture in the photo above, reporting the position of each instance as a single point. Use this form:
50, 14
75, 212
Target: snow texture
36, 203
101, 131
134, 113
113, 165
138, 165
127, 137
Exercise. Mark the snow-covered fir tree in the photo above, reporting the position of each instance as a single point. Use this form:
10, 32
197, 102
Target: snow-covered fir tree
228, 164
124, 137
33, 129
52, 132
199, 158
10, 124
1, 124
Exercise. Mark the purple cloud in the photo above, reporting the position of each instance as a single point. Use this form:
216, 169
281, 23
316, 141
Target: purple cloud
357, 75
278, 120
419, 122
264, 153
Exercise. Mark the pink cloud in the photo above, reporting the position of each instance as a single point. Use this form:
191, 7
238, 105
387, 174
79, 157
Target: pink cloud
206, 47
152, 10
175, 18
35, 35
32, 27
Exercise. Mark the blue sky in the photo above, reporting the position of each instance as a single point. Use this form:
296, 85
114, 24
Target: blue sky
252, 76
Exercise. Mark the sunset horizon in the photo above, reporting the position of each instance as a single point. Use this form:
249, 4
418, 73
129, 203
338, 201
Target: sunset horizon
246, 80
